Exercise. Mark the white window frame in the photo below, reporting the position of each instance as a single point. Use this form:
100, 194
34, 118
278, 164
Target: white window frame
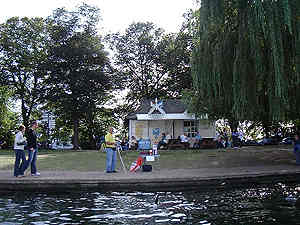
192, 129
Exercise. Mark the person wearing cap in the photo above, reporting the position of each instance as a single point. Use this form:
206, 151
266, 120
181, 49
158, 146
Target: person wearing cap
111, 152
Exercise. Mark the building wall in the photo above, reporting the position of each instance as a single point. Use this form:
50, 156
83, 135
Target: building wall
178, 128
207, 129
138, 128
154, 128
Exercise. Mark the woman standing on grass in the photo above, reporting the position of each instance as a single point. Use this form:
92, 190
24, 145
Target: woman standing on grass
19, 145
297, 149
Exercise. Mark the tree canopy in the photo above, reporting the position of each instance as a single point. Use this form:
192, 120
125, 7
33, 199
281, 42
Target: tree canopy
23, 44
149, 63
77, 68
246, 59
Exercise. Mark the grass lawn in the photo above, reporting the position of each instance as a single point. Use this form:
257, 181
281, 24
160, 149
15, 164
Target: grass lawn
86, 160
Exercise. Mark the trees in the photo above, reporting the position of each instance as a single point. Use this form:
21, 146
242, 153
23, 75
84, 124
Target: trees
136, 59
148, 63
8, 119
175, 61
23, 44
96, 123
77, 68
246, 59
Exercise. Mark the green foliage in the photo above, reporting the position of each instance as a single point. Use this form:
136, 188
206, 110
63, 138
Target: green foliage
94, 125
77, 69
8, 118
245, 64
23, 43
150, 64
62, 131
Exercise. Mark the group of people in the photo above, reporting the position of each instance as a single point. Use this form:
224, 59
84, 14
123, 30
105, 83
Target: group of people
234, 141
22, 164
184, 139
20, 144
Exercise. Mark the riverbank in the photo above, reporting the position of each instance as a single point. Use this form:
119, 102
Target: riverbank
175, 171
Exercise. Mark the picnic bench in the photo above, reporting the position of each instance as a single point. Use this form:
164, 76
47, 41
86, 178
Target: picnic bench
205, 143
208, 142
176, 144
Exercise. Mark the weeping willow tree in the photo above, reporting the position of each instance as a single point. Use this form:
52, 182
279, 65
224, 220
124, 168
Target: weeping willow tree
245, 64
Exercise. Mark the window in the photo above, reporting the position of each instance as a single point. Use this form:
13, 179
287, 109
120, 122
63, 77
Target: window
190, 128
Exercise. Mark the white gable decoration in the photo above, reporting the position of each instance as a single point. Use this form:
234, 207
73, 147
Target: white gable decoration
157, 105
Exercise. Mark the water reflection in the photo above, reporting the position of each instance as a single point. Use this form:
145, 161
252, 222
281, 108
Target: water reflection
274, 205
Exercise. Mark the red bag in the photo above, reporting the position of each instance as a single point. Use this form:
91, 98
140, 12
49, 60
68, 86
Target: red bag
136, 164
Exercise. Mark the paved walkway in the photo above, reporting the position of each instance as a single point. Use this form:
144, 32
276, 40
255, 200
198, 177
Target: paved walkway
259, 171
162, 180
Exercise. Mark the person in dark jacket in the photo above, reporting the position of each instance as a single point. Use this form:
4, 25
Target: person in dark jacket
297, 149
32, 149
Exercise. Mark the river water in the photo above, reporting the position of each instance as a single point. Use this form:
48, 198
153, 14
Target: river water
256, 205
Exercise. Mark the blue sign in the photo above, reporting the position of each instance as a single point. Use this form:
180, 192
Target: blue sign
156, 132
144, 144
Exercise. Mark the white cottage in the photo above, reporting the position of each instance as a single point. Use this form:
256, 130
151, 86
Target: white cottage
155, 117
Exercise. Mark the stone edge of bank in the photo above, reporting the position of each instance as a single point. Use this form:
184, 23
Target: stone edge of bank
149, 185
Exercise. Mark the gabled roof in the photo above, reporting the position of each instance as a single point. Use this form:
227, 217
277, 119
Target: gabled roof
169, 106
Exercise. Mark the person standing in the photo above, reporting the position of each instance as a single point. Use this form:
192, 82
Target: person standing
235, 139
19, 145
297, 149
32, 149
111, 152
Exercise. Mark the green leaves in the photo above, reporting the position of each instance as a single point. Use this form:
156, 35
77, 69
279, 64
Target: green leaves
245, 58
150, 63
78, 70
22, 44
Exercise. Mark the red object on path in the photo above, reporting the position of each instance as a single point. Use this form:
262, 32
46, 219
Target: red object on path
137, 164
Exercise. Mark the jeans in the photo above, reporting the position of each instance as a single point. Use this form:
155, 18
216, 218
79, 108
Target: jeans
161, 143
297, 154
111, 158
32, 155
20, 162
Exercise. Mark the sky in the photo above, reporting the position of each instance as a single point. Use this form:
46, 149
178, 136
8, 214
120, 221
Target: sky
116, 14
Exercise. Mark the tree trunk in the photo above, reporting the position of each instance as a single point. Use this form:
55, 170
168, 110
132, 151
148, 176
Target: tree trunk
25, 116
266, 128
76, 134
233, 125
92, 141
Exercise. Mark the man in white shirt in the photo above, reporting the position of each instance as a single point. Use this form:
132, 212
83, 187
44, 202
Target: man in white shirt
168, 137
185, 140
